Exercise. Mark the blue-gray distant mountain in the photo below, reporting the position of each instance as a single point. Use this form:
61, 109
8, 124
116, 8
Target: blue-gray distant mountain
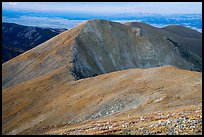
17, 39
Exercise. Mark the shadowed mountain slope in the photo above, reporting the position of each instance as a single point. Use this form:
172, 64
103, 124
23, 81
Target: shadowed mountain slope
183, 31
99, 46
16, 39
138, 70
180, 36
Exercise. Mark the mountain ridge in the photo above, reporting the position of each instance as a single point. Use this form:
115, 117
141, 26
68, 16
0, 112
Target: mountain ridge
103, 77
96, 47
34, 107
16, 39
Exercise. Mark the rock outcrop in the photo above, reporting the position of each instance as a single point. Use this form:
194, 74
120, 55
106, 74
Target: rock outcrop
99, 46
138, 69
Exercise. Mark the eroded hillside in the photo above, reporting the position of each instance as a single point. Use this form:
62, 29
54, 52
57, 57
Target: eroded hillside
99, 46
53, 102
104, 77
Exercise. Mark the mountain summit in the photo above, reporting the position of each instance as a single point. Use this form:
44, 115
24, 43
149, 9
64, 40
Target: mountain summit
44, 91
99, 46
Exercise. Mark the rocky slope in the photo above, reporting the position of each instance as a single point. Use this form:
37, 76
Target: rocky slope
187, 38
99, 46
53, 104
183, 31
182, 37
16, 39
142, 84
179, 121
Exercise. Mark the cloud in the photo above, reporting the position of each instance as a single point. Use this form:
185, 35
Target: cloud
12, 3
53, 22
109, 7
56, 22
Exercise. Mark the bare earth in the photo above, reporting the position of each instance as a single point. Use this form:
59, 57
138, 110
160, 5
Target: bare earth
104, 77
161, 100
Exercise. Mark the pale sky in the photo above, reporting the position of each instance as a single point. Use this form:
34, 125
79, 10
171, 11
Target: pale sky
108, 7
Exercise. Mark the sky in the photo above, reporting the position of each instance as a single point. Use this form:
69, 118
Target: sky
70, 14
108, 7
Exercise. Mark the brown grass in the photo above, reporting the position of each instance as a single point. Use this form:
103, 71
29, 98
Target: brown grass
53, 102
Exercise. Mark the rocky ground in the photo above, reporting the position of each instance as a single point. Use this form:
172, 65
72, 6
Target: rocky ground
103, 77
134, 101
182, 121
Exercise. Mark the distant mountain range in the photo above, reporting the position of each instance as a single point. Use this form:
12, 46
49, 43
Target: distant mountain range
17, 39
69, 20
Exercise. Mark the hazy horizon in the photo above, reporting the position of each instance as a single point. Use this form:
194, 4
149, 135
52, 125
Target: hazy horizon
108, 7
70, 14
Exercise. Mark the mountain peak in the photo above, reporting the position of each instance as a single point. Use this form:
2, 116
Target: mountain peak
139, 70
99, 46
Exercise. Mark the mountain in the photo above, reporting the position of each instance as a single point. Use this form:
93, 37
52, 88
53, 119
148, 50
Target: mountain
183, 31
182, 37
104, 77
188, 38
53, 104
16, 39
99, 46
